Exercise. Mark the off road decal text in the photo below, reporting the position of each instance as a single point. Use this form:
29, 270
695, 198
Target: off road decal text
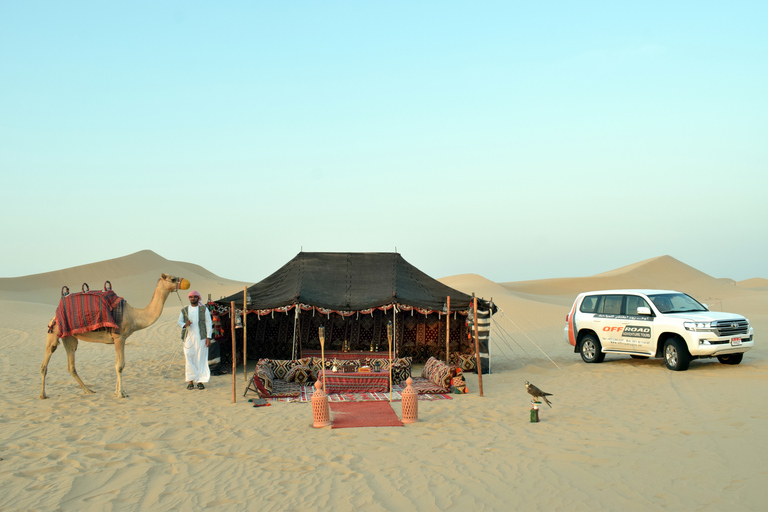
630, 331
636, 331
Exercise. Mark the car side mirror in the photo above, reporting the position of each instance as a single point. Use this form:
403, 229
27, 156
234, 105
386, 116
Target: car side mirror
643, 310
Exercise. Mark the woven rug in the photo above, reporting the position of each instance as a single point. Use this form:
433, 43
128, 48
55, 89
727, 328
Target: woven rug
306, 396
364, 414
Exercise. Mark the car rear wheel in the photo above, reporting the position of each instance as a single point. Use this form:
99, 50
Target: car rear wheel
676, 355
730, 358
591, 350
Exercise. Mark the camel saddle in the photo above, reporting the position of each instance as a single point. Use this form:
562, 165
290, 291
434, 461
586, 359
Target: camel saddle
89, 311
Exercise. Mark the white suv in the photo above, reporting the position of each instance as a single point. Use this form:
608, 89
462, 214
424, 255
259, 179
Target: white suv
654, 323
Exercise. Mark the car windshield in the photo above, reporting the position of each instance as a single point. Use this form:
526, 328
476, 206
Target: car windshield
675, 303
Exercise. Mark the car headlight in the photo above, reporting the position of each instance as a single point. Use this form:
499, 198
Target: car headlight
698, 326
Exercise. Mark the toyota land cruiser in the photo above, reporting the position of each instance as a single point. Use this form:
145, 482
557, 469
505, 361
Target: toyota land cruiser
654, 323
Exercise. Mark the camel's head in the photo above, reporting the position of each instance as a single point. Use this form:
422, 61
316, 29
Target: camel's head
178, 283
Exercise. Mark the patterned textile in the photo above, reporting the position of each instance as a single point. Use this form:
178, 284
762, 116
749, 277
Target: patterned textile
299, 373
459, 385
426, 386
286, 389
257, 386
356, 382
466, 362
407, 361
438, 372
400, 372
267, 387
431, 362
266, 367
265, 376
305, 395
316, 365
87, 311
281, 367
218, 332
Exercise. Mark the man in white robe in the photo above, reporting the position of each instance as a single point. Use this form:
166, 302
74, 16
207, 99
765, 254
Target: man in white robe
197, 327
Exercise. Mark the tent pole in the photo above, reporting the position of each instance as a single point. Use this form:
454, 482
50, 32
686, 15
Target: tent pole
394, 331
477, 350
295, 322
448, 331
245, 335
389, 340
234, 354
321, 335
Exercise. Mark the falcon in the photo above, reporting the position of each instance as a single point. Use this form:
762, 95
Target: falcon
537, 393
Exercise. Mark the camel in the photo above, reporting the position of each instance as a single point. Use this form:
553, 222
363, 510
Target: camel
133, 320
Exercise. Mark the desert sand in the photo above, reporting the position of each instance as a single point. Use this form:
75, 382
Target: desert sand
622, 435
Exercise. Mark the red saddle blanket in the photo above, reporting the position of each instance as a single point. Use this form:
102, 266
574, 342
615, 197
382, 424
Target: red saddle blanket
89, 311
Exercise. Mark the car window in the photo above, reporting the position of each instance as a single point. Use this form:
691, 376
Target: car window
632, 303
676, 303
612, 304
589, 304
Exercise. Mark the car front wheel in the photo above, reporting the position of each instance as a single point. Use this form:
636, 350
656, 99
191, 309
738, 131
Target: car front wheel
676, 355
730, 358
591, 350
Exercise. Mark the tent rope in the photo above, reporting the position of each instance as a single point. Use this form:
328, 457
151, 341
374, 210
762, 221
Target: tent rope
504, 336
503, 315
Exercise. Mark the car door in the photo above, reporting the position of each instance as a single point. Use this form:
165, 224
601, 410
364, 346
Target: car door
638, 328
609, 322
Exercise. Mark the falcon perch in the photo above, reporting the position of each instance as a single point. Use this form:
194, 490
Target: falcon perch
537, 393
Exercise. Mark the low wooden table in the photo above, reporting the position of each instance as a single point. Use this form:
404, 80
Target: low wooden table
357, 382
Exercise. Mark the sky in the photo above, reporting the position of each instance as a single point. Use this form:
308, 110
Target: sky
514, 140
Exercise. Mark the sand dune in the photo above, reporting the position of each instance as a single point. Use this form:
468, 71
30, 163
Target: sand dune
623, 435
663, 272
756, 283
132, 277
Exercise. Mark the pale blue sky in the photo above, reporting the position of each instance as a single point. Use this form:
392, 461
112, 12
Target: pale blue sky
515, 140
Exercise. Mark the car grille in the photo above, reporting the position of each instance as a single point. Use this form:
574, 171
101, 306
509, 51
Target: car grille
730, 327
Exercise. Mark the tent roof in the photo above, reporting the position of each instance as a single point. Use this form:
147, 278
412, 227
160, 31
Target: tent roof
351, 282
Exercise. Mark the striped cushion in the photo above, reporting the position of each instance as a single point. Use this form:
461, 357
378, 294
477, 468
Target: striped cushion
437, 372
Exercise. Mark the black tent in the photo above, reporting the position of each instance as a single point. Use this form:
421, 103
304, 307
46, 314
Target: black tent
353, 295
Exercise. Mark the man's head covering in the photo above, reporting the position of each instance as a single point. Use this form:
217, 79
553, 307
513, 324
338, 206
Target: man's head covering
193, 293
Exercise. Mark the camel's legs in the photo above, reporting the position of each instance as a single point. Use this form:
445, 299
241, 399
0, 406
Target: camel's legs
70, 344
119, 365
51, 344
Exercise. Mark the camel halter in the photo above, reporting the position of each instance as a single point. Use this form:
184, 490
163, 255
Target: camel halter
178, 287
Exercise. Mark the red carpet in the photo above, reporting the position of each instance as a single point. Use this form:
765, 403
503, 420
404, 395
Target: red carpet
363, 414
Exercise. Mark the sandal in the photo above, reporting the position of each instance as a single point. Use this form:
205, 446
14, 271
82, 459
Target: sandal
200, 385
190, 386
